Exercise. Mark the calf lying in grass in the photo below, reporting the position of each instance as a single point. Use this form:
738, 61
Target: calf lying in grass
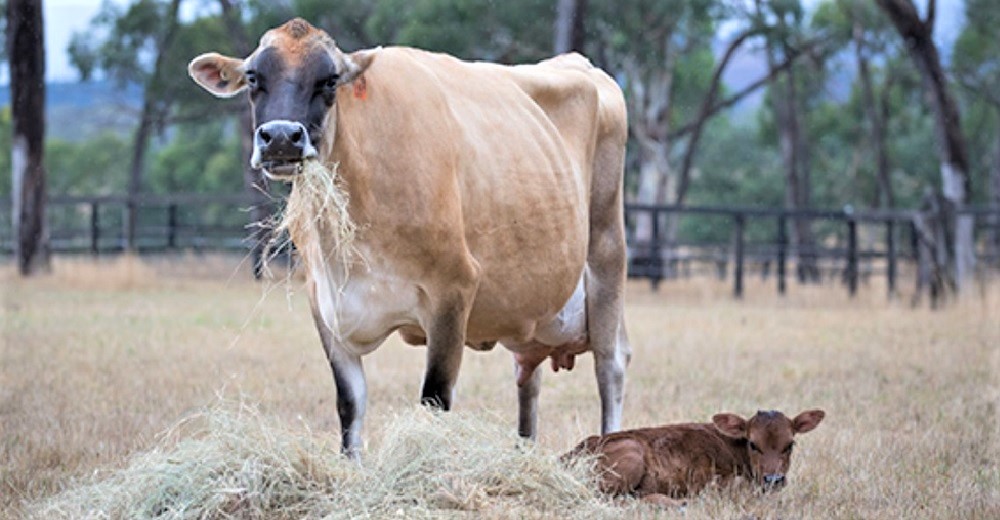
678, 460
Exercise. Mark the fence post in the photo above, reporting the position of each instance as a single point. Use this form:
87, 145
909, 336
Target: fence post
890, 245
95, 228
131, 222
655, 258
782, 251
172, 225
852, 256
738, 275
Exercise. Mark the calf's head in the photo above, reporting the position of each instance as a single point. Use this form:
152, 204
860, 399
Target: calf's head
291, 78
769, 437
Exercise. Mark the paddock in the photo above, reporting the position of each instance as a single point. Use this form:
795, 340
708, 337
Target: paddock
101, 357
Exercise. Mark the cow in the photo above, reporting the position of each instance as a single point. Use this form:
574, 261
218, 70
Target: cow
664, 464
487, 201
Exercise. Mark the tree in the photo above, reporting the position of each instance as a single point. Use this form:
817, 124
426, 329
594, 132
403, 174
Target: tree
917, 33
26, 47
146, 27
663, 74
785, 19
977, 68
568, 33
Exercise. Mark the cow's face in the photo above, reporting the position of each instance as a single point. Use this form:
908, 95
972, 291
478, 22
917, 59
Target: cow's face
769, 441
291, 78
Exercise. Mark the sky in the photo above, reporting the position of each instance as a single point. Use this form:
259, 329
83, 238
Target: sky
64, 17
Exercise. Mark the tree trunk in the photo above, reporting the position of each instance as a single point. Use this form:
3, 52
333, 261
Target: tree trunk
26, 51
995, 199
147, 121
884, 198
253, 180
784, 103
569, 30
955, 186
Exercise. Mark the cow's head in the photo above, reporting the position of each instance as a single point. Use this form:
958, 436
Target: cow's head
292, 78
769, 441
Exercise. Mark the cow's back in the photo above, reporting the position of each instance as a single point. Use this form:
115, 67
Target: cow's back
449, 160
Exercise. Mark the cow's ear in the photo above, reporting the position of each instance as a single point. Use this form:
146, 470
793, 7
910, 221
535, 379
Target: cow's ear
807, 421
218, 74
730, 425
356, 63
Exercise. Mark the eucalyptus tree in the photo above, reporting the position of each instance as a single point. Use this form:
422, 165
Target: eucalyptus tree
25, 45
661, 52
134, 46
787, 33
976, 66
860, 26
917, 33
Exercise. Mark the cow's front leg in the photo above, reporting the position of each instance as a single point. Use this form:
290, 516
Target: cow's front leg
445, 343
450, 305
349, 376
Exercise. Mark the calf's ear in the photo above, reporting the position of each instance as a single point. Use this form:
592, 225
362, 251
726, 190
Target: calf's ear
730, 425
218, 74
807, 421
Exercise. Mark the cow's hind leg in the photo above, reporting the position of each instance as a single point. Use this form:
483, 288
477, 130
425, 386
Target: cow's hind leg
349, 376
606, 282
527, 400
606, 265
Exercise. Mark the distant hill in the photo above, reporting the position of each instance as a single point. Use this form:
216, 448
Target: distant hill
80, 110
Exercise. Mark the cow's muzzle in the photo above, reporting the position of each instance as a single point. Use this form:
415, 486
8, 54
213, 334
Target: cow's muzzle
774, 481
279, 147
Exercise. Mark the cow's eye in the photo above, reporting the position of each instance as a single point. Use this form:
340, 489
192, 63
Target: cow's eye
251, 79
328, 83
788, 449
754, 447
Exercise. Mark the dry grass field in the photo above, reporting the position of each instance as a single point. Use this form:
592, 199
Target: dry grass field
98, 360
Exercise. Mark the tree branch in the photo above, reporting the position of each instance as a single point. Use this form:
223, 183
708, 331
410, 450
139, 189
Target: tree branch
794, 54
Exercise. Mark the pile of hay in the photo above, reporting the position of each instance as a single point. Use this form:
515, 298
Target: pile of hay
231, 462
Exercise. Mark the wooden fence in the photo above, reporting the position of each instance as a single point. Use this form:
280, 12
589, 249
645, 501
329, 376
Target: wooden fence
745, 237
658, 256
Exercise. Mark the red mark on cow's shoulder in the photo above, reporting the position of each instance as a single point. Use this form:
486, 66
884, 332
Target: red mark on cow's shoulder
361, 88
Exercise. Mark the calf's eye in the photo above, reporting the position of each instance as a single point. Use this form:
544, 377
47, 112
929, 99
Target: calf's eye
788, 449
754, 447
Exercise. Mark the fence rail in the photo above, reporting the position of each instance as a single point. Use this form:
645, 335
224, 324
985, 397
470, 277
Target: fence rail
743, 236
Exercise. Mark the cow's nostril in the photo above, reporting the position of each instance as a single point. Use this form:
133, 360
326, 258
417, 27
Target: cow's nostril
264, 136
297, 136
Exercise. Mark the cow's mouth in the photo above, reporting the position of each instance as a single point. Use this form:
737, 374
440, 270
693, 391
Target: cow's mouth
282, 169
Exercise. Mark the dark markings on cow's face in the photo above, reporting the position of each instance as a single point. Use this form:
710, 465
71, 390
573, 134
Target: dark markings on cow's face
291, 80
303, 92
769, 441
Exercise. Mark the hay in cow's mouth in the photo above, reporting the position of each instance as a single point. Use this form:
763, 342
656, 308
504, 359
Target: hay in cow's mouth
283, 170
316, 218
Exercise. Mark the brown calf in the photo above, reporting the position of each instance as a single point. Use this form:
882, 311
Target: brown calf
679, 460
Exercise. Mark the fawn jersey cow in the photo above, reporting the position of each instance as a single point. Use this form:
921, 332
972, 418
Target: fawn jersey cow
487, 199
679, 460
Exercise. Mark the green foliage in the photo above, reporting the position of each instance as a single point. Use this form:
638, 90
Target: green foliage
200, 158
98, 165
